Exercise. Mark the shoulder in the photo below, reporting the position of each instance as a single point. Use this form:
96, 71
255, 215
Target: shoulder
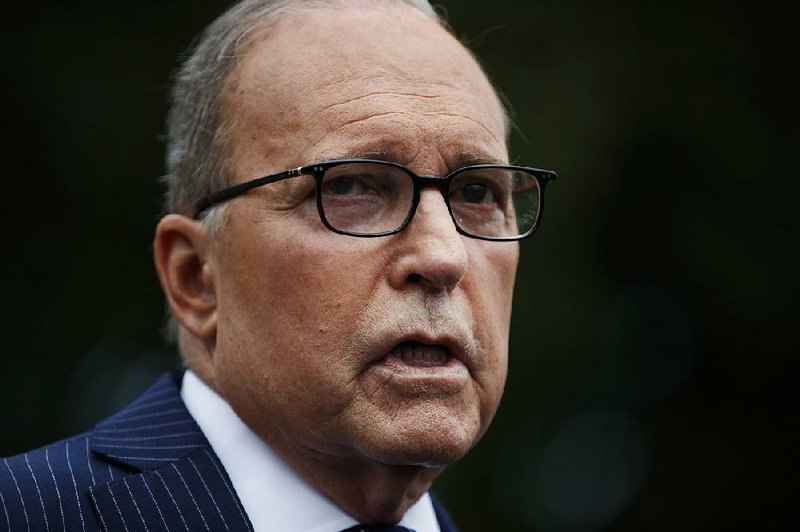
48, 486
52, 486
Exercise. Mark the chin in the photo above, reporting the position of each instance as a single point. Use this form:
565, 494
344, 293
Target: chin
427, 444
429, 458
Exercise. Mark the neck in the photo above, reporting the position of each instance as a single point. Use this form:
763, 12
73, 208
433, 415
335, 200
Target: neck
370, 492
367, 489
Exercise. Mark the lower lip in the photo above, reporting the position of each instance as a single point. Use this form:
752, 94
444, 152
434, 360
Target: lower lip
451, 376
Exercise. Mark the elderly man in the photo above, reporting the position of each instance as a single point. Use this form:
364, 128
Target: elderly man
338, 259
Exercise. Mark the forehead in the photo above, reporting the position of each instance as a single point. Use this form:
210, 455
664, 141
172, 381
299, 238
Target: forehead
346, 82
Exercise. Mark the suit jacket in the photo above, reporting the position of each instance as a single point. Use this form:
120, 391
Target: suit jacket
148, 467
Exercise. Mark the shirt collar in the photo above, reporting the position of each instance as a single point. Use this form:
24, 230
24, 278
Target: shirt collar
274, 496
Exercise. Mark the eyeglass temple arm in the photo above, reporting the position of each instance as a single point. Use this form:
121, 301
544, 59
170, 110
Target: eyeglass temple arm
231, 192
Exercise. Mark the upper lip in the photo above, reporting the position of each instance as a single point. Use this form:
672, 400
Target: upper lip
457, 348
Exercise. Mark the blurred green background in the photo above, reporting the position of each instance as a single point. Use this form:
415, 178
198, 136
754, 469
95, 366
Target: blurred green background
654, 374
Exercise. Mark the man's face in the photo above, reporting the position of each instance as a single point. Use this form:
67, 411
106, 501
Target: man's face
390, 349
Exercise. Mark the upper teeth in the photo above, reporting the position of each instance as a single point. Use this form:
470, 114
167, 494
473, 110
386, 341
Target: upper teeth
411, 351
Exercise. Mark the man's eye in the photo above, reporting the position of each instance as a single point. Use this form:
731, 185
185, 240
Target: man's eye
342, 186
475, 193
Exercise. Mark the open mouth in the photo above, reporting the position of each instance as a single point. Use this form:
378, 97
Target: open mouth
411, 367
421, 355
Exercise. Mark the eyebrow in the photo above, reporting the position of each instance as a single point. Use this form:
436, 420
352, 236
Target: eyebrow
469, 158
461, 158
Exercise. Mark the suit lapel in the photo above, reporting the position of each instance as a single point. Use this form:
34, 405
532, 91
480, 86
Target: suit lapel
178, 481
152, 431
192, 493
442, 517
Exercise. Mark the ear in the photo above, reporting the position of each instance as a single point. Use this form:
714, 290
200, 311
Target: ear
182, 248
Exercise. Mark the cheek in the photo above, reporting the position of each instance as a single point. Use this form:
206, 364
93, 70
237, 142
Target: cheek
303, 304
286, 330
489, 287
326, 282
305, 280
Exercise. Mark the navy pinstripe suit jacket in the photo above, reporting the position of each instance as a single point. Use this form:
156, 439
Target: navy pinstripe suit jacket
148, 468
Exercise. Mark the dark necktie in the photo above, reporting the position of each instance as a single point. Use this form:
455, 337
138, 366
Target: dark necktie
377, 528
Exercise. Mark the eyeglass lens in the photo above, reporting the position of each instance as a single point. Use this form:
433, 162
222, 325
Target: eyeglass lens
370, 198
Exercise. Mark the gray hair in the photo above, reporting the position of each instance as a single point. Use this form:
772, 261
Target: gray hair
196, 129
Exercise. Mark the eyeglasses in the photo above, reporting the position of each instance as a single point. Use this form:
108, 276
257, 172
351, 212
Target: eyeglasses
366, 198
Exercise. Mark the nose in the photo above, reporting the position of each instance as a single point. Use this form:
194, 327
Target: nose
431, 252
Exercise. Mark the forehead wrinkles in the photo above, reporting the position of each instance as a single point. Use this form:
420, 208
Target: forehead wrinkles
432, 75
420, 84
395, 70
417, 112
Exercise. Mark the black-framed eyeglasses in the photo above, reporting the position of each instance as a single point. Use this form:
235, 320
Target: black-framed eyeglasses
367, 198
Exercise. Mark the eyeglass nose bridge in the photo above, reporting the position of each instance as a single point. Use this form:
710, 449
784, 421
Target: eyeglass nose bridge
437, 181
425, 181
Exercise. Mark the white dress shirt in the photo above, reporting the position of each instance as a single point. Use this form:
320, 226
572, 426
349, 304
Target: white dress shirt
274, 496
